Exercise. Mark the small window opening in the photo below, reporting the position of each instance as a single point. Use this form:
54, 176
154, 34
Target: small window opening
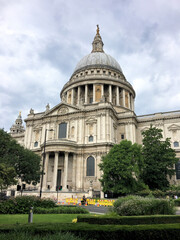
122, 136
91, 138
90, 100
176, 144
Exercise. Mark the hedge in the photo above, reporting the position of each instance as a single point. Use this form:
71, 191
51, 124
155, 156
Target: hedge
61, 209
136, 205
21, 205
130, 220
99, 232
177, 202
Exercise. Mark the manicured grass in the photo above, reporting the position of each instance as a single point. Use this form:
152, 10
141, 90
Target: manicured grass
37, 218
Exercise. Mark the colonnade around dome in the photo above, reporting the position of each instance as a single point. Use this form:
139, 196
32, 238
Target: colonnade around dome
98, 92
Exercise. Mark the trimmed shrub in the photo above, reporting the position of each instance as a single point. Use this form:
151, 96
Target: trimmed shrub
61, 209
22, 204
177, 202
144, 193
147, 193
25, 235
93, 231
135, 205
128, 220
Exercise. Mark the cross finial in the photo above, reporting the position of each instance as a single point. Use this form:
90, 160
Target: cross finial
98, 29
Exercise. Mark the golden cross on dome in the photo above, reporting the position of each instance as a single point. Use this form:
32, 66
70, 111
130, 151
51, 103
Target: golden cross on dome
98, 29
20, 113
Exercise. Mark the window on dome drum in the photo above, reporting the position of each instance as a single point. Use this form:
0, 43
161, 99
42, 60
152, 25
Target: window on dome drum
122, 136
176, 144
91, 138
177, 167
90, 166
90, 100
62, 130
36, 144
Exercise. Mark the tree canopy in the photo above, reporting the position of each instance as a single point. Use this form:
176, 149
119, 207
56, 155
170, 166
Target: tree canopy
121, 168
159, 159
25, 162
7, 176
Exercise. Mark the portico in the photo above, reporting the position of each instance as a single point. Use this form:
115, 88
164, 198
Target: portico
60, 171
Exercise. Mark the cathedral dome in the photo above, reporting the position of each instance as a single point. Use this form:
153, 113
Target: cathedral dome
98, 59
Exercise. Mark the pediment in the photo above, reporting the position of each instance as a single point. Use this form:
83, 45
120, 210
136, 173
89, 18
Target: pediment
173, 127
61, 109
91, 120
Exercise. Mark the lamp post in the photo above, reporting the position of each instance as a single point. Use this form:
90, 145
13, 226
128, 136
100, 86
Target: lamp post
44, 155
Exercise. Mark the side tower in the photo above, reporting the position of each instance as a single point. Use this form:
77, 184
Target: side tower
17, 130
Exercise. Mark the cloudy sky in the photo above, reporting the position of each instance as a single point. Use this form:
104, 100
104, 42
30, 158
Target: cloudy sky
41, 41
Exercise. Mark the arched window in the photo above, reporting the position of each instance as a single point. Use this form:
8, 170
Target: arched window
62, 130
90, 166
176, 144
91, 138
36, 144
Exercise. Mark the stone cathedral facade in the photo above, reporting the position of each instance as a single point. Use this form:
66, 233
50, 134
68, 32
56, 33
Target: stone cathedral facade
96, 111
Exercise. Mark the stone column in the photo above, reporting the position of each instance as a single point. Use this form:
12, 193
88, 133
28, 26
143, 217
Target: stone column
117, 95
129, 106
65, 172
79, 92
74, 173
55, 171
45, 171
132, 103
72, 96
110, 93
124, 98
86, 94
94, 93
102, 90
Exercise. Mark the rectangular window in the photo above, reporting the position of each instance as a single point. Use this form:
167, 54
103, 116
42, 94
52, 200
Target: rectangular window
122, 136
178, 170
62, 130
90, 100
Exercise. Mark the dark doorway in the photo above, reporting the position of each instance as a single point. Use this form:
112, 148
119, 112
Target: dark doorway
59, 179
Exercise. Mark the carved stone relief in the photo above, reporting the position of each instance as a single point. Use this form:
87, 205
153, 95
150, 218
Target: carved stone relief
63, 110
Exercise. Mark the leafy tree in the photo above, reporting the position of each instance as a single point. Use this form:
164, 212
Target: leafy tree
159, 159
121, 168
7, 176
25, 162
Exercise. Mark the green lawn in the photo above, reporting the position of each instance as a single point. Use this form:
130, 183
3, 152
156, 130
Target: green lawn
37, 218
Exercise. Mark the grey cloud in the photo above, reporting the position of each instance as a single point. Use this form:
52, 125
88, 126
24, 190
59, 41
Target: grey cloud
40, 47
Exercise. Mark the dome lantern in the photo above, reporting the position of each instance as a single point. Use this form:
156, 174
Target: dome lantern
97, 43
